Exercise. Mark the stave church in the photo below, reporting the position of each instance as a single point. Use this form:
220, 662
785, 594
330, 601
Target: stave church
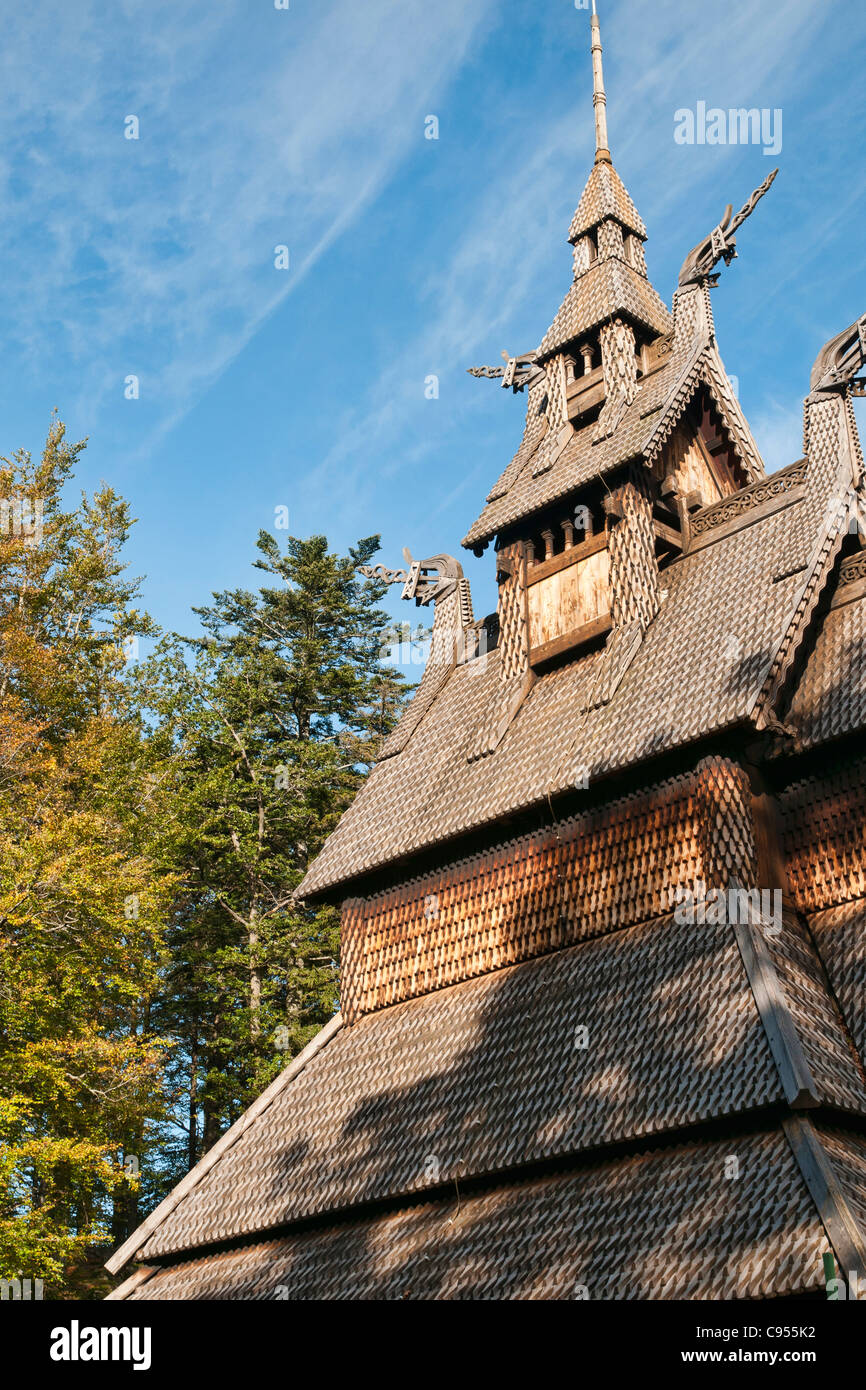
602, 1031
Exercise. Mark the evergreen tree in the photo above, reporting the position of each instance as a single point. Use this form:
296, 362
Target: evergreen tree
267, 724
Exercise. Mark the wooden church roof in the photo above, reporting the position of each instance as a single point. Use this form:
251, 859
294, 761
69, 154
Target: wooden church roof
605, 195
548, 1236
484, 1079
605, 288
450, 1134
730, 606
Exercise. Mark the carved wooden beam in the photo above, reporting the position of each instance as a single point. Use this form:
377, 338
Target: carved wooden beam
425, 580
840, 359
517, 372
720, 244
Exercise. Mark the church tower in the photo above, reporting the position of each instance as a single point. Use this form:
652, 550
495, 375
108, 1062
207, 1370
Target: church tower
611, 466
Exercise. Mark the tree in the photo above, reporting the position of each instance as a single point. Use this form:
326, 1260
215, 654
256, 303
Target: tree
267, 723
83, 891
155, 817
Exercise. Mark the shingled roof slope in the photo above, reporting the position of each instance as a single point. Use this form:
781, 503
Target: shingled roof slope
605, 195
836, 1067
830, 697
726, 602
608, 287
839, 933
519, 491
662, 1224
491, 1075
641, 430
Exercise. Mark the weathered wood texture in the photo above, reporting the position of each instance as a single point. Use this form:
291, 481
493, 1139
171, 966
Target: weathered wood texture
634, 571
661, 1224
607, 868
825, 837
684, 456
570, 597
512, 616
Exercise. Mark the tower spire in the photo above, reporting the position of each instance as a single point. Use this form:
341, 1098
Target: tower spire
599, 100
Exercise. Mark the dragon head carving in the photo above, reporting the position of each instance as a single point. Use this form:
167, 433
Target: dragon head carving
840, 359
423, 580
720, 244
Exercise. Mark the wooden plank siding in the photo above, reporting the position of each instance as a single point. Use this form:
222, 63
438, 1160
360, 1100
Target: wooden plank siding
570, 599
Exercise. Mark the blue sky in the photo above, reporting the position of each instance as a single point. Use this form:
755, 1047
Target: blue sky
262, 388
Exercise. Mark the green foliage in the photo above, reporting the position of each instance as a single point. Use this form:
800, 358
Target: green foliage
268, 722
80, 1067
155, 818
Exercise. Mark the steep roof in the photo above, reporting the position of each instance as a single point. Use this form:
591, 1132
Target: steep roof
691, 361
830, 697
605, 195
607, 288
660, 1224
839, 933
726, 602
684, 1024
360, 1121
610, 285
522, 490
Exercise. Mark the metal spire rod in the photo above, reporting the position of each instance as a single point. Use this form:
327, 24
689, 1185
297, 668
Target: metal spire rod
599, 100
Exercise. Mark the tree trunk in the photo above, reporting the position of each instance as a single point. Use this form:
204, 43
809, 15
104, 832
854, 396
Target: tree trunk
193, 1099
255, 979
213, 1062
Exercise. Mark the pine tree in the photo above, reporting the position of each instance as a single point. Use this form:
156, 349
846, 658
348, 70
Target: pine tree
268, 723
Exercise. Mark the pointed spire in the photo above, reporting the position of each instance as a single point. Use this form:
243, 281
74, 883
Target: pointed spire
599, 100
604, 195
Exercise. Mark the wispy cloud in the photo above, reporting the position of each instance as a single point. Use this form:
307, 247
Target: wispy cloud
488, 278
156, 256
778, 429
304, 127
479, 288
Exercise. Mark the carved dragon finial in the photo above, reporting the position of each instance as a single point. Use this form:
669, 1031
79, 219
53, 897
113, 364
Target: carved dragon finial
720, 244
423, 580
517, 372
839, 361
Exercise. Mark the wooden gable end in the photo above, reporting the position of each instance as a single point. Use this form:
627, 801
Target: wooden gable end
568, 598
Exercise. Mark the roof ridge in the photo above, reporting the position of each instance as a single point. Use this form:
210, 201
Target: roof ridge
827, 1191
789, 980
795, 1074
819, 568
142, 1232
704, 365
